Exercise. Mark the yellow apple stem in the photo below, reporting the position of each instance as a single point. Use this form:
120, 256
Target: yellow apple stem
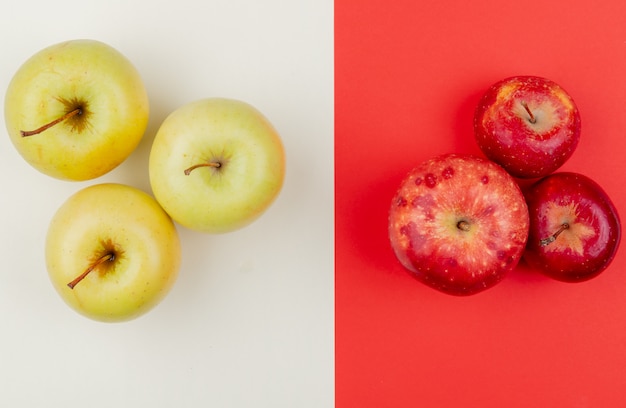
195, 166
532, 118
102, 259
77, 111
552, 238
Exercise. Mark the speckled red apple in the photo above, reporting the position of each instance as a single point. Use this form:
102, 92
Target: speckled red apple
459, 223
574, 227
529, 125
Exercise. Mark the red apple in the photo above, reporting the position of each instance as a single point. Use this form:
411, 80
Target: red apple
459, 223
574, 227
527, 124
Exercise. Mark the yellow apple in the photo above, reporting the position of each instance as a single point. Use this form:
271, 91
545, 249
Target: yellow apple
76, 110
216, 165
112, 253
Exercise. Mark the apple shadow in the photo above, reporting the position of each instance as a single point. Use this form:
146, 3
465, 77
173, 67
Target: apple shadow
463, 127
366, 224
134, 170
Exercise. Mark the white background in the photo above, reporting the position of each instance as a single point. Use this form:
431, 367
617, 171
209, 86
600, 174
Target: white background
249, 322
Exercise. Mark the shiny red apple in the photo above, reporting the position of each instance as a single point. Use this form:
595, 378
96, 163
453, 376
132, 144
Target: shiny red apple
575, 229
459, 223
528, 124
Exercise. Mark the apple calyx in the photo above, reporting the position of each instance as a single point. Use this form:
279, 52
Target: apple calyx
463, 225
215, 165
552, 238
532, 119
109, 256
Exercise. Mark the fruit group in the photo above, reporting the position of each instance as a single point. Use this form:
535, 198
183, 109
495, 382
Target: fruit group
574, 227
459, 223
76, 110
112, 253
216, 165
527, 124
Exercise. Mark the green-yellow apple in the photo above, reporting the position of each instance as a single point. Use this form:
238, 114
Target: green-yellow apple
76, 110
112, 253
216, 165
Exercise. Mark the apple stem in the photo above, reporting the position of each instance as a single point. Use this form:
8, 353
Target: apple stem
532, 118
463, 225
77, 111
209, 164
106, 257
552, 238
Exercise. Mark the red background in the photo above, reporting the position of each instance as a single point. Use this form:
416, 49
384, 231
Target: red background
408, 75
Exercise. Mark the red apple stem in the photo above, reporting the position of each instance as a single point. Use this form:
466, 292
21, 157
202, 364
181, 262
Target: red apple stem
209, 164
552, 238
463, 225
101, 260
531, 118
77, 111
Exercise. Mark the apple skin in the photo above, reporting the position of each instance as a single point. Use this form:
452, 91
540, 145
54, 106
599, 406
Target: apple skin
588, 245
78, 73
527, 146
216, 130
459, 223
119, 219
